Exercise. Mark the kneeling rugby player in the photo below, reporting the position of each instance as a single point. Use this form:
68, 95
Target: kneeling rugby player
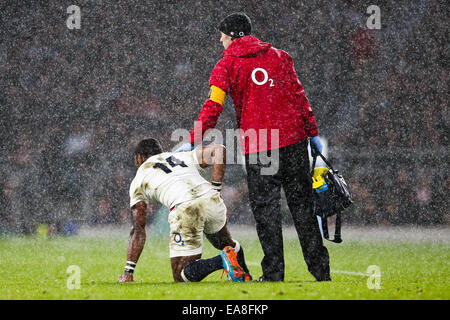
196, 207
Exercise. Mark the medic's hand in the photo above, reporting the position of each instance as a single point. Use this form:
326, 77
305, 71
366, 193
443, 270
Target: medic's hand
185, 147
315, 145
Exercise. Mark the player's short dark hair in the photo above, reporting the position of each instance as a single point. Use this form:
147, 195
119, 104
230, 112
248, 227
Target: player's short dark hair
148, 148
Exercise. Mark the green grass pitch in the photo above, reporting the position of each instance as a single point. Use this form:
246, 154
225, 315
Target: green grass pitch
34, 268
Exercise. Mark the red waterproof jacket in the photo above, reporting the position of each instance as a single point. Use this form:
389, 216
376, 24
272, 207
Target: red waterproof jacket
266, 93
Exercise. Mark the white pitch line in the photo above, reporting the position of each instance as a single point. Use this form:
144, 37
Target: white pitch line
361, 274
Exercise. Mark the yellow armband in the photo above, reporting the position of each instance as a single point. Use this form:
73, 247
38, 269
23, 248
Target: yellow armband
217, 95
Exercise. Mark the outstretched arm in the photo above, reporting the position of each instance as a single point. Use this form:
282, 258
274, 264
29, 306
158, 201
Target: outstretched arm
207, 119
137, 240
215, 156
211, 110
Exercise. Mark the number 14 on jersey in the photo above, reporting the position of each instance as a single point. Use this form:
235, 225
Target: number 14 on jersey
172, 161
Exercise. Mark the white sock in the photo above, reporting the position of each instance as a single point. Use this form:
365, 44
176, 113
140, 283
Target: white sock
184, 277
237, 247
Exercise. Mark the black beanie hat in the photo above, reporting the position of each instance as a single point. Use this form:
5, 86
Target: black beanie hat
236, 25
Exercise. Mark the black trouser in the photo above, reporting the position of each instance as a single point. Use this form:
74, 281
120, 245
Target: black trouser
265, 195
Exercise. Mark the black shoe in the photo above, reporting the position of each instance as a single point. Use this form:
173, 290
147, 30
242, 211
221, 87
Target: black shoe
327, 278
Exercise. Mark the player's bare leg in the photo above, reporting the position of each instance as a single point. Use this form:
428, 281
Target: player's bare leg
194, 269
222, 239
178, 264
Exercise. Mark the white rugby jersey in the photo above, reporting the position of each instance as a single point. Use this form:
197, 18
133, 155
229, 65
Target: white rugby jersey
169, 178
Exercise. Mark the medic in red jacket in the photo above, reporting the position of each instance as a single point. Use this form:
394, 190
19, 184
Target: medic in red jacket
266, 93
268, 97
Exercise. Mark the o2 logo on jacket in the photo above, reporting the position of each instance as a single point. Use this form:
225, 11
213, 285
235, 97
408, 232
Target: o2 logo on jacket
266, 77
177, 238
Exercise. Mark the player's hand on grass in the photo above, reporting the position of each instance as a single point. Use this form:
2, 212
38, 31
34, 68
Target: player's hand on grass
126, 277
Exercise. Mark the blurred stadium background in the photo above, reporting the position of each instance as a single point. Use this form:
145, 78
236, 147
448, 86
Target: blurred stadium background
75, 102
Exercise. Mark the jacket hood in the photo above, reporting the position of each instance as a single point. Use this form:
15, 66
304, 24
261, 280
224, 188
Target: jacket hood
246, 46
